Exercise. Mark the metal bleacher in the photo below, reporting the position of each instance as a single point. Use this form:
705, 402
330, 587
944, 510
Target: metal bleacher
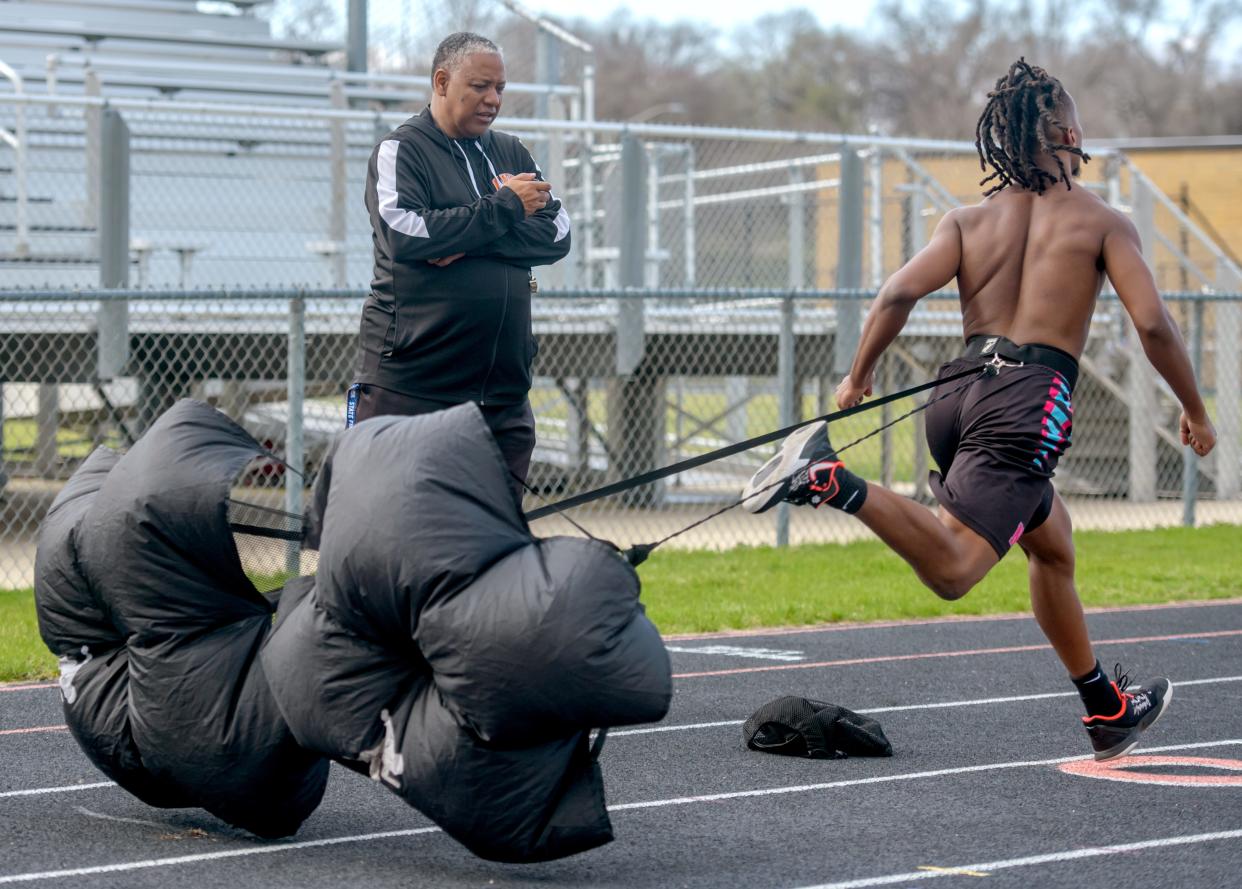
211, 202
155, 49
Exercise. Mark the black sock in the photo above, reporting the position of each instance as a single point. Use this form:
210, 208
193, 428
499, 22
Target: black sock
1097, 693
844, 490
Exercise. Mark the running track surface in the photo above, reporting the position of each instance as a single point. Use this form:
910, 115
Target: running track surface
989, 785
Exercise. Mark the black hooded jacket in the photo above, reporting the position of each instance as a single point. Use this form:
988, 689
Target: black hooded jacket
460, 332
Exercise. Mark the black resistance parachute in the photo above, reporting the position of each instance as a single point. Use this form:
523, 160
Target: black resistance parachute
140, 592
440, 648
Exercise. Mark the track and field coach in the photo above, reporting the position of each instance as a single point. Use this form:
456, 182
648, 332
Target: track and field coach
460, 214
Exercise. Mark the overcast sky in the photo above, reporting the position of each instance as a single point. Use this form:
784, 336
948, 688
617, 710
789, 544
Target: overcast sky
723, 13
726, 15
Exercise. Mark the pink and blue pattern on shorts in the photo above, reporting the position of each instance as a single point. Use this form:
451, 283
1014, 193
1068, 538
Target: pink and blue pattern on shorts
1057, 422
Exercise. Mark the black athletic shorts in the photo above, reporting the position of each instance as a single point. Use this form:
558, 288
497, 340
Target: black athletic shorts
512, 425
997, 441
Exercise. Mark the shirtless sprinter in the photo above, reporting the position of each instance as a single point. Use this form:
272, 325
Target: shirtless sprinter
1030, 260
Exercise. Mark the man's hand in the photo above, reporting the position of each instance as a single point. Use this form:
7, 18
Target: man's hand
850, 393
534, 194
446, 260
1199, 434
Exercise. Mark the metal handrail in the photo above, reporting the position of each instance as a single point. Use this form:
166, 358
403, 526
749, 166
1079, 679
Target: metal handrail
585, 127
312, 76
668, 294
1180, 215
22, 246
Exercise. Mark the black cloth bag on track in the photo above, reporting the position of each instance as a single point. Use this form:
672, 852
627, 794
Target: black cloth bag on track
793, 726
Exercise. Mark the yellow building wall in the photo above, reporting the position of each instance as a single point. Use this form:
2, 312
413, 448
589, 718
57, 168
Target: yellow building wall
1213, 178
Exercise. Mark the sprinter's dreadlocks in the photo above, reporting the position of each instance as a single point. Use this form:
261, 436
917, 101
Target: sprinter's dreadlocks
1013, 130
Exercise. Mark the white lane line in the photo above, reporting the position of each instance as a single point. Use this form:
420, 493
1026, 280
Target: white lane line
846, 626
657, 729
889, 779
69, 788
332, 841
82, 810
763, 654
976, 702
210, 856
984, 868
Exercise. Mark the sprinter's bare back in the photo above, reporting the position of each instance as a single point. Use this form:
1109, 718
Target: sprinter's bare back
1032, 265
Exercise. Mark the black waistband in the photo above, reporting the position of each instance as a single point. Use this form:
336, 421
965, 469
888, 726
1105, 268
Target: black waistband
983, 345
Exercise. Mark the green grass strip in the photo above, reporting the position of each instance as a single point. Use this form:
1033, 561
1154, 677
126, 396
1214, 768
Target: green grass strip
22, 653
746, 588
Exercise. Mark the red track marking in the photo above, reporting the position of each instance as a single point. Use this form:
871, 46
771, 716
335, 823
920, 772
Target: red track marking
947, 619
33, 729
27, 687
893, 658
1114, 770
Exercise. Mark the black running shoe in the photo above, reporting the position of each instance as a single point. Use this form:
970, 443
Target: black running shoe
803, 471
1117, 735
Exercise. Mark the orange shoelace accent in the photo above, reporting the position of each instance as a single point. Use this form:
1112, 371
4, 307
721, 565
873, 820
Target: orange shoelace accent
1125, 702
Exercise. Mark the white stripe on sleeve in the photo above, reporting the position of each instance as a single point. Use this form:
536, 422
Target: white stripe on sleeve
562, 224
405, 221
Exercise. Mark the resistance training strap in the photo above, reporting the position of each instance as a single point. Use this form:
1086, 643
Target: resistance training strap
638, 553
729, 450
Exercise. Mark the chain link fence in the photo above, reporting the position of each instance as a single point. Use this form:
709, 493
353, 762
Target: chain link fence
713, 292
712, 374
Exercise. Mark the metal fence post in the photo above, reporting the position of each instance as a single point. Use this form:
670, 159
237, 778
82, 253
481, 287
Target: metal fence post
113, 226
651, 269
550, 152
1142, 392
918, 229
561, 274
1190, 462
585, 234
294, 444
875, 186
633, 252
547, 73
337, 216
850, 222
47, 423
1228, 335
687, 211
356, 36
787, 373
636, 407
93, 115
786, 385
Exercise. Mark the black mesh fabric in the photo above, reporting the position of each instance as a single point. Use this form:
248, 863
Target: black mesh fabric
260, 520
793, 726
268, 541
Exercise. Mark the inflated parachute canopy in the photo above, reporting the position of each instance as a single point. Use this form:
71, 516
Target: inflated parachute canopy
140, 592
441, 649
444, 651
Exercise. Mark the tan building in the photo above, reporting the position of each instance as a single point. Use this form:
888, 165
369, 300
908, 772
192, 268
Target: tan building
1202, 176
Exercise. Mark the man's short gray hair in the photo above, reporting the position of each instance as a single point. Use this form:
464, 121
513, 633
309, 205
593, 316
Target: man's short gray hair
455, 47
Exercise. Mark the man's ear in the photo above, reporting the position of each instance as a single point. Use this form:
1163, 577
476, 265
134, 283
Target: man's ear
439, 81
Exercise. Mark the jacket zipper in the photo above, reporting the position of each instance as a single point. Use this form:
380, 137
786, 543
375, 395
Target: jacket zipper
504, 312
